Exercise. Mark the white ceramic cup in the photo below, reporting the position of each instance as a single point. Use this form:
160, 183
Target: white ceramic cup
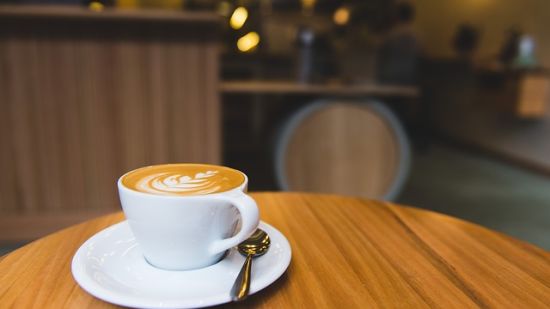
188, 232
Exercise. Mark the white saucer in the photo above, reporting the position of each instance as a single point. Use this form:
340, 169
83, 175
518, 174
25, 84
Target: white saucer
110, 266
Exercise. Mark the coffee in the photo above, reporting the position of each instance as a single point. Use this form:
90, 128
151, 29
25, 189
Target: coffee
183, 179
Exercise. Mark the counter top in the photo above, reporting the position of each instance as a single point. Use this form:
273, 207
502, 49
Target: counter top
78, 12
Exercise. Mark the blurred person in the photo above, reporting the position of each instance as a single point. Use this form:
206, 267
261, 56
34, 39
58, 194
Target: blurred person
398, 55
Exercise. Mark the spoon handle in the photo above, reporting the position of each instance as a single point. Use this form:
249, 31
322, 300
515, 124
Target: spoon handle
240, 288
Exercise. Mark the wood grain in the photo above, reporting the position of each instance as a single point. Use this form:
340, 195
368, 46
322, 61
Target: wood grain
347, 253
87, 98
345, 149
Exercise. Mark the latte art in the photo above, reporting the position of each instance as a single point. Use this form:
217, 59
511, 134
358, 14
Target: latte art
200, 183
183, 179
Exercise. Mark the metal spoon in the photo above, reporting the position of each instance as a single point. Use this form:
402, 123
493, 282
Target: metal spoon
254, 246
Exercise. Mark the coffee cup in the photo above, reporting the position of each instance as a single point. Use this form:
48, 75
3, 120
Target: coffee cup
184, 216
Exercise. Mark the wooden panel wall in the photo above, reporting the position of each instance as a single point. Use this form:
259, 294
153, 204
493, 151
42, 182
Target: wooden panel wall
83, 101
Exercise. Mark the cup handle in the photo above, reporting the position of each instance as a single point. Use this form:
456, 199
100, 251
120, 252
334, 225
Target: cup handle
250, 218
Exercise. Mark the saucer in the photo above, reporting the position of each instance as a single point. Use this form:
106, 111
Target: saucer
111, 267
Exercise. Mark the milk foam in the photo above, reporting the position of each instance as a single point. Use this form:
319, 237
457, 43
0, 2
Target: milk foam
168, 182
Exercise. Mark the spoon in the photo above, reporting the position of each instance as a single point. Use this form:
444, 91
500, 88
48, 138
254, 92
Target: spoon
256, 245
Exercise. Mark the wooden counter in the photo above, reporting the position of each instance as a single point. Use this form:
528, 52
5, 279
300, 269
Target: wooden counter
87, 96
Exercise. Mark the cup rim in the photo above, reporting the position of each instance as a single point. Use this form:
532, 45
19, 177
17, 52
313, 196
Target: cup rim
241, 187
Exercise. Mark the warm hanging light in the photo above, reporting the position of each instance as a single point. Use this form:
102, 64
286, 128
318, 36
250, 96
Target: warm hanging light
248, 41
308, 4
341, 16
238, 18
96, 6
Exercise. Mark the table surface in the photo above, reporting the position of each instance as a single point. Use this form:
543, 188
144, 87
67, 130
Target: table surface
347, 252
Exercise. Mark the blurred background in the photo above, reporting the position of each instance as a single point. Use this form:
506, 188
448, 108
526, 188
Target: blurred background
441, 105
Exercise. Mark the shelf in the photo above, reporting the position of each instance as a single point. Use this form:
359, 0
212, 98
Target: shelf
329, 89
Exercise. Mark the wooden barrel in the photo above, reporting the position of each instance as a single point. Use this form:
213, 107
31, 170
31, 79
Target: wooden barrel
343, 147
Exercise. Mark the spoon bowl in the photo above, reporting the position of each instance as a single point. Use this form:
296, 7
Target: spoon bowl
255, 245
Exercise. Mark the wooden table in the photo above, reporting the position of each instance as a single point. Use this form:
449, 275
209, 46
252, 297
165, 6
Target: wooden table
347, 252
